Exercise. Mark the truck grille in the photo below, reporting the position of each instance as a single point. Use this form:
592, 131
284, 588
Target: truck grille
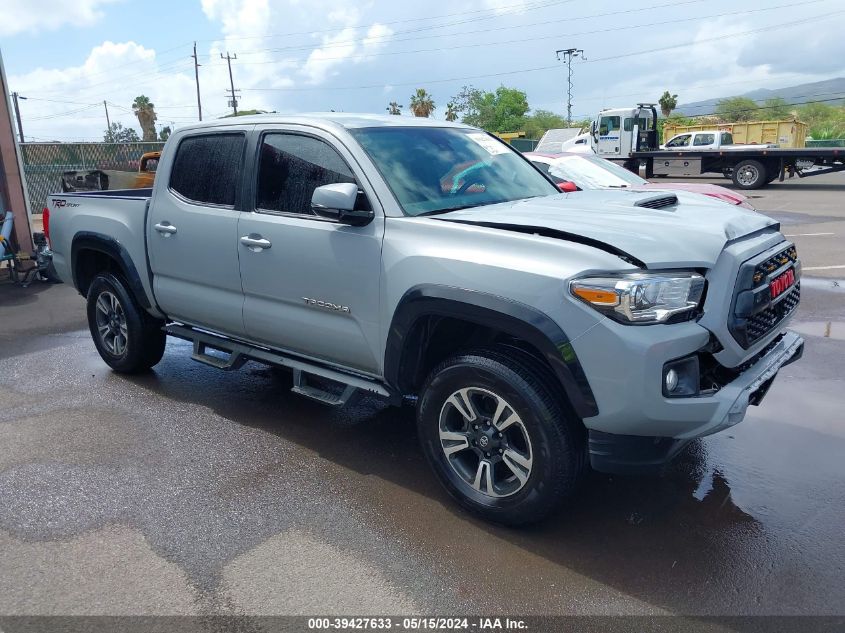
659, 202
764, 322
764, 296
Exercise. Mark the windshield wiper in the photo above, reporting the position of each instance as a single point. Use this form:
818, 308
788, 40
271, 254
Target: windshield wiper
618, 186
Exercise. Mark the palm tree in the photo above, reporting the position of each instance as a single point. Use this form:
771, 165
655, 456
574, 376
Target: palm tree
394, 108
422, 104
144, 109
451, 112
668, 102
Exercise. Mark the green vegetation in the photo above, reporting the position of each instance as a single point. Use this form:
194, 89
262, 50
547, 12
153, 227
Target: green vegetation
144, 109
735, 109
668, 102
422, 105
119, 134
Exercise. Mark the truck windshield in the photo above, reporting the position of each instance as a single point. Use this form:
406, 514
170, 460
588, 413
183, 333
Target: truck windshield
433, 170
592, 172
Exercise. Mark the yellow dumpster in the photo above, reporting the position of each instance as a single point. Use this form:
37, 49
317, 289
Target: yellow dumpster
789, 133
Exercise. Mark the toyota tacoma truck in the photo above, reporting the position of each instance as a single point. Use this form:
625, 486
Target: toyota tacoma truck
536, 332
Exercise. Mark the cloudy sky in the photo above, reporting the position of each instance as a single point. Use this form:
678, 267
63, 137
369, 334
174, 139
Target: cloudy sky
310, 55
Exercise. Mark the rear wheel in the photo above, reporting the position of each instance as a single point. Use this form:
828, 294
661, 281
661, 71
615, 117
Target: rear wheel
750, 174
128, 339
497, 436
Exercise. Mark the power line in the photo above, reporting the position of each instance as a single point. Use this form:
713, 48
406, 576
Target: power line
391, 39
496, 12
541, 68
544, 37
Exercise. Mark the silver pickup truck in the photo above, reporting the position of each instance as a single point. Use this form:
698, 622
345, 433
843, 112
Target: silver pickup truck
536, 332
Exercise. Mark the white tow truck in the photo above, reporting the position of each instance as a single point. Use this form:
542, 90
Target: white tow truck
629, 136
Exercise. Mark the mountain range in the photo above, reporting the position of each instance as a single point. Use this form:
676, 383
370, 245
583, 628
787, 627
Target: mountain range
830, 91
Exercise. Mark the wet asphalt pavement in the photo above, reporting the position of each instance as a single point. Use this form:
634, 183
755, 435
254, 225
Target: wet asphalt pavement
194, 491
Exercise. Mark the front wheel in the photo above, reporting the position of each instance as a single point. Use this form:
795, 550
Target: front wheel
498, 437
128, 339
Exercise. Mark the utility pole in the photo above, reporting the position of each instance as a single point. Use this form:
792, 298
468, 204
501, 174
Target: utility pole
568, 54
108, 123
15, 97
234, 101
197, 75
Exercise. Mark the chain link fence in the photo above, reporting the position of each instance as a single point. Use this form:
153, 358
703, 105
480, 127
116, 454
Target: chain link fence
44, 163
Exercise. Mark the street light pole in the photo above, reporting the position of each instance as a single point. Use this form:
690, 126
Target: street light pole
568, 54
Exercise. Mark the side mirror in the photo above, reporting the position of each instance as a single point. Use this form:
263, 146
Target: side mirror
337, 202
593, 131
567, 186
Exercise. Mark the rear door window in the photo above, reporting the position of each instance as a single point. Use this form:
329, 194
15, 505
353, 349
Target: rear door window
704, 139
207, 168
727, 138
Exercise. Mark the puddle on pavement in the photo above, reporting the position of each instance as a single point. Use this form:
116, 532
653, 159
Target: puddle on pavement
826, 329
820, 283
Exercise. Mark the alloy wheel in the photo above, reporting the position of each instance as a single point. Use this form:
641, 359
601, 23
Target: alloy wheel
111, 323
485, 442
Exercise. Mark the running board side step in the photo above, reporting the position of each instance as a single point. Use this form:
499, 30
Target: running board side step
239, 353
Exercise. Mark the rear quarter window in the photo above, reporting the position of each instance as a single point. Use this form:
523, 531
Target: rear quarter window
207, 168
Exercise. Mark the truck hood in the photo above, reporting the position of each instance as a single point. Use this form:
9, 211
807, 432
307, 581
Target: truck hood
691, 233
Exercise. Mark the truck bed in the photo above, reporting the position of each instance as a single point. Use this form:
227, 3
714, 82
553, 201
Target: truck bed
119, 216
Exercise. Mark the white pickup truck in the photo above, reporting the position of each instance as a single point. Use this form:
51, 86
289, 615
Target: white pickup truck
707, 139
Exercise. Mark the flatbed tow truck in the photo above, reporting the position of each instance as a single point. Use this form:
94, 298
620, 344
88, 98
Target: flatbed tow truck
629, 136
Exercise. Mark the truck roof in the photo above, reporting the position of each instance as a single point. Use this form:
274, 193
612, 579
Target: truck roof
326, 119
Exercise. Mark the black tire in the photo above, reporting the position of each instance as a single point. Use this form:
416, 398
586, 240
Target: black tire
134, 341
548, 436
750, 174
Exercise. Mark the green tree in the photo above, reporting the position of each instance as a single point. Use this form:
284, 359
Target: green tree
165, 133
466, 101
819, 114
668, 102
119, 134
542, 121
394, 108
144, 109
737, 109
451, 112
775, 108
500, 111
422, 105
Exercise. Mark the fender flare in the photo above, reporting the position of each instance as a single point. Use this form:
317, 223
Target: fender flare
89, 240
511, 317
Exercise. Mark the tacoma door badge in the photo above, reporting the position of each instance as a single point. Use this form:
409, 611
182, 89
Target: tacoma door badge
327, 305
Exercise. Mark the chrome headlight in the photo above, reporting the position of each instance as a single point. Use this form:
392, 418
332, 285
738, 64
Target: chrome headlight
641, 297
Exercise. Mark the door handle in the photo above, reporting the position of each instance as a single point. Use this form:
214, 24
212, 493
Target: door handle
255, 242
165, 228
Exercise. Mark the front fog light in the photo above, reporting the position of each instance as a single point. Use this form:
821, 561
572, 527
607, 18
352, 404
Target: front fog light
680, 377
671, 380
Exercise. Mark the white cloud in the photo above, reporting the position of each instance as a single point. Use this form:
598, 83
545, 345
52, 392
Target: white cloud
67, 103
32, 16
345, 46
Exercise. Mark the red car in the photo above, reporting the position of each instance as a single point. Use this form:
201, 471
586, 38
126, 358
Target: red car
574, 172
